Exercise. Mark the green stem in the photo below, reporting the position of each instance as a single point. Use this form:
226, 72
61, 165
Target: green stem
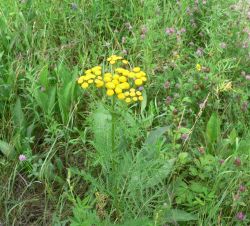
113, 125
116, 203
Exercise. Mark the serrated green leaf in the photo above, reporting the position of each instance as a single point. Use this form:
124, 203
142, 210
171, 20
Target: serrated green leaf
7, 149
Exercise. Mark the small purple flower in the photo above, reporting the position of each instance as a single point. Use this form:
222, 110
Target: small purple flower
22, 158
168, 100
222, 161
240, 216
242, 188
223, 45
141, 88
237, 161
167, 85
170, 31
184, 136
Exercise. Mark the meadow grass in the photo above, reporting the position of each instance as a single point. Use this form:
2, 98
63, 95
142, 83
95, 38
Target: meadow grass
180, 157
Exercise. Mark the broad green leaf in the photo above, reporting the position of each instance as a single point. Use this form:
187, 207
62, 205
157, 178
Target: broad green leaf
213, 128
7, 149
42, 99
176, 215
155, 135
65, 95
18, 116
43, 78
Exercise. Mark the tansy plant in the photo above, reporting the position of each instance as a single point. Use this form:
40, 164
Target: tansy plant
121, 81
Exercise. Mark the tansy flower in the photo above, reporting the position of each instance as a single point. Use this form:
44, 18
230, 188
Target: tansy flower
128, 100
121, 96
122, 79
110, 92
138, 82
136, 69
85, 85
123, 84
140, 98
118, 90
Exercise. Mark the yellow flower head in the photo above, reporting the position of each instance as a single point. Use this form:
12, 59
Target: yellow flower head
136, 69
138, 82
110, 92
85, 85
120, 82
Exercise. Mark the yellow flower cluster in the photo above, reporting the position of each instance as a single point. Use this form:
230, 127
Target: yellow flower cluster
122, 82
113, 59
